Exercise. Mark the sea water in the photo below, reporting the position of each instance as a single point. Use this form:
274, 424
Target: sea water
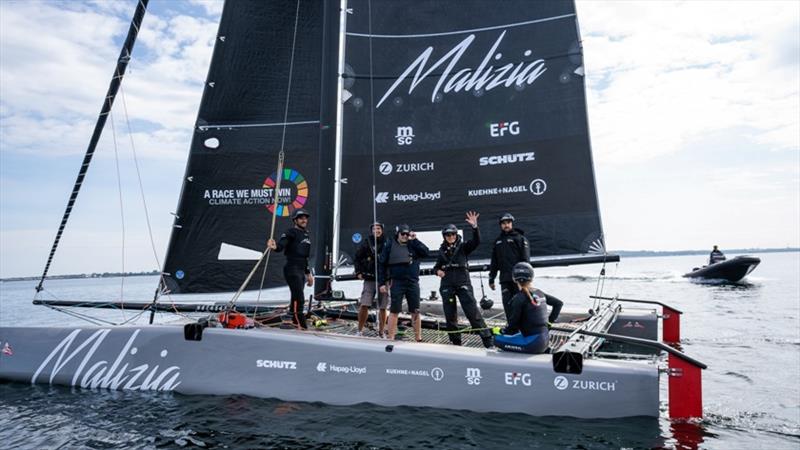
748, 334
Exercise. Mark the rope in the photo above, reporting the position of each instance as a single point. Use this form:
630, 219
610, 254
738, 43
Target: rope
121, 214
265, 255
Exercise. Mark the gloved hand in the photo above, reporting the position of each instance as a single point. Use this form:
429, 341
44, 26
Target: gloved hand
495, 330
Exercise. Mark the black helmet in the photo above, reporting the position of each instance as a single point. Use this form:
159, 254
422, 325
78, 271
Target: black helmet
402, 228
486, 303
449, 229
506, 216
522, 272
299, 213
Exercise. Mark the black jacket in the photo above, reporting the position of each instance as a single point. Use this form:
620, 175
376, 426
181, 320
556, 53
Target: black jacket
509, 249
296, 245
407, 272
527, 316
365, 257
453, 259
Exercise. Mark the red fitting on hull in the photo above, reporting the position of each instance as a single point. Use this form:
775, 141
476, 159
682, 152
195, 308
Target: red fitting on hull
685, 389
671, 325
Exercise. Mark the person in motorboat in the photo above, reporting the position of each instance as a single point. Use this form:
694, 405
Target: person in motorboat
510, 247
452, 267
716, 256
365, 264
528, 322
295, 243
398, 274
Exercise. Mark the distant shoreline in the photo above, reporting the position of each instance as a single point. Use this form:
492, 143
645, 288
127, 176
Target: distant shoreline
621, 253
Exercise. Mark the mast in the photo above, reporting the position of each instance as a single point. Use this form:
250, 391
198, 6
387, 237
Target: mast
337, 188
108, 102
330, 143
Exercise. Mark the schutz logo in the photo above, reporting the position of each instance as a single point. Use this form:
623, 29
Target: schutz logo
405, 135
272, 364
502, 128
507, 159
485, 77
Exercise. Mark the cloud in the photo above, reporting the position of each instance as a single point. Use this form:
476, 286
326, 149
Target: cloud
661, 75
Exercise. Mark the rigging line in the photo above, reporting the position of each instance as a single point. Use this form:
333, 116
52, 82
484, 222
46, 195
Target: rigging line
281, 156
121, 214
372, 150
141, 185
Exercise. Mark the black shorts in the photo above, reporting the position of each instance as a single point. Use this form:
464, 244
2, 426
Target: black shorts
407, 289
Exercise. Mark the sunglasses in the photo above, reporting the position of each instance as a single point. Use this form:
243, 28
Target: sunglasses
450, 234
403, 233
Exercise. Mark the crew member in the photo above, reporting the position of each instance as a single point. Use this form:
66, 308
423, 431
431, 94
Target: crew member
365, 265
527, 329
452, 267
296, 245
398, 273
510, 247
716, 256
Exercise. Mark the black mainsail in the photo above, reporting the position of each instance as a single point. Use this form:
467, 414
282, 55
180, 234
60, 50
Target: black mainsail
227, 200
476, 105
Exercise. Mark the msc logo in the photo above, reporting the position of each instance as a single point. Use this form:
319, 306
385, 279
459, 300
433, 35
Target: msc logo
500, 129
385, 168
473, 376
405, 135
515, 379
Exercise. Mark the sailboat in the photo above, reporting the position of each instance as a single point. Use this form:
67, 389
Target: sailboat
367, 109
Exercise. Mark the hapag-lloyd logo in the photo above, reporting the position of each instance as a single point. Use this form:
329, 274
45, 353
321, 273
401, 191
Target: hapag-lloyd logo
484, 77
98, 373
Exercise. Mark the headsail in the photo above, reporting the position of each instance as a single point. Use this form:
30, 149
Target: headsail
476, 105
228, 190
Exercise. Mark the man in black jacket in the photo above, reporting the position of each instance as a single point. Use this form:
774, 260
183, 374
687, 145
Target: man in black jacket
452, 267
398, 272
365, 263
510, 247
296, 245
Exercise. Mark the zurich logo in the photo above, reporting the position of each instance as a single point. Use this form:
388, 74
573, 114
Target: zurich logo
560, 382
385, 168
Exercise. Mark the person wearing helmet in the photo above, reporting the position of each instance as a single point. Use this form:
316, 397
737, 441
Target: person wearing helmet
510, 247
527, 329
452, 267
365, 265
398, 274
295, 243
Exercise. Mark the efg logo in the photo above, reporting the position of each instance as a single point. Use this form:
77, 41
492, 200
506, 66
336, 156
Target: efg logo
507, 159
501, 128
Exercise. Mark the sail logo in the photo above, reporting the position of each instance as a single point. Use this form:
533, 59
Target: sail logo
506, 159
483, 78
382, 197
387, 168
405, 135
473, 376
501, 128
516, 379
292, 195
94, 372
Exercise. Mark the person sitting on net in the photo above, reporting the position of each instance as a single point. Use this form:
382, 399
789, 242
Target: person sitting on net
527, 330
716, 256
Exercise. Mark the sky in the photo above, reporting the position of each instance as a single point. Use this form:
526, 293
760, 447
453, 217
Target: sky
694, 113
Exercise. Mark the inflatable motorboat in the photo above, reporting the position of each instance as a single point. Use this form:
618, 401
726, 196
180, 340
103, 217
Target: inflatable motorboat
731, 270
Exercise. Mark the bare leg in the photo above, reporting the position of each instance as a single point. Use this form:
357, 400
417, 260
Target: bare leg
363, 313
392, 325
382, 319
415, 317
